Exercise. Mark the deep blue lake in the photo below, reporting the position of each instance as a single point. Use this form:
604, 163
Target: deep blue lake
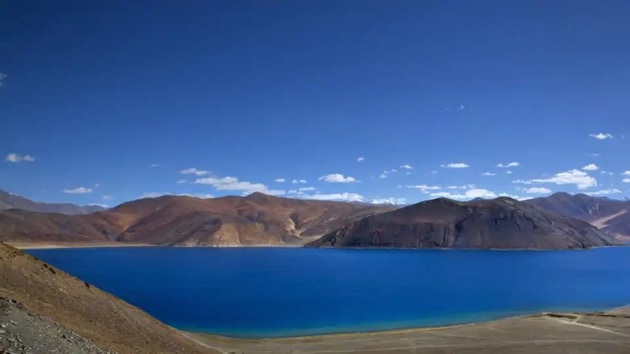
265, 292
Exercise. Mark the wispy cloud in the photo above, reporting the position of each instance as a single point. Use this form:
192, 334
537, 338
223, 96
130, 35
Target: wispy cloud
509, 172
13, 157
608, 191
488, 174
601, 136
455, 165
508, 165
229, 183
337, 178
469, 194
594, 154
590, 167
154, 165
78, 190
383, 175
181, 181
194, 171
464, 186
407, 167
2, 77
296, 181
344, 197
107, 197
537, 190
626, 173
424, 188
390, 200
626, 180
280, 180
580, 179
360, 158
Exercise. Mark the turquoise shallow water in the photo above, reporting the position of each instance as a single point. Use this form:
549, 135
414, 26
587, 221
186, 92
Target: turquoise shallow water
275, 292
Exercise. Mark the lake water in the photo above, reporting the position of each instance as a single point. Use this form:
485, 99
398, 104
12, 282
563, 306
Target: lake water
271, 292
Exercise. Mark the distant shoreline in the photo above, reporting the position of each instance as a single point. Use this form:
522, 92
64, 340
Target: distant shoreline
63, 245
59, 245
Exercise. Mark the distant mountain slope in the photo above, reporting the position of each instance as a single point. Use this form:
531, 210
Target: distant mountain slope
12, 201
612, 216
64, 301
501, 223
257, 219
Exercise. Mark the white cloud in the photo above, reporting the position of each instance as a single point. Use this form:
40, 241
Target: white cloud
538, 190
13, 157
594, 154
296, 181
508, 165
393, 170
280, 180
233, 184
154, 165
465, 186
347, 197
579, 178
488, 174
383, 176
606, 173
194, 171
626, 173
608, 191
590, 167
469, 194
601, 136
407, 167
180, 181
107, 197
455, 165
434, 172
154, 194
79, 190
337, 178
508, 172
424, 188
390, 200
306, 189
360, 158
2, 76
626, 180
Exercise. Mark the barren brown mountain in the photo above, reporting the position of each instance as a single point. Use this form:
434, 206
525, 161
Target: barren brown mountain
80, 309
257, 219
501, 223
609, 215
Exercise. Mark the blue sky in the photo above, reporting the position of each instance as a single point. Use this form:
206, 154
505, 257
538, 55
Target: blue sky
106, 101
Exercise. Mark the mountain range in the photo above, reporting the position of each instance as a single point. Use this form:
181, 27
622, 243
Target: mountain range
559, 221
12, 201
501, 223
256, 219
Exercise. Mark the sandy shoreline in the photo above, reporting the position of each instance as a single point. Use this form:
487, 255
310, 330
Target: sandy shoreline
606, 331
55, 245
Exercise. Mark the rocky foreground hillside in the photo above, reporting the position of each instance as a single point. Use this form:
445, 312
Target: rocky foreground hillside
257, 219
501, 223
49, 311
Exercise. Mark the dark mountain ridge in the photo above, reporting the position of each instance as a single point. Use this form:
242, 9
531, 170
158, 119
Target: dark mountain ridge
501, 223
